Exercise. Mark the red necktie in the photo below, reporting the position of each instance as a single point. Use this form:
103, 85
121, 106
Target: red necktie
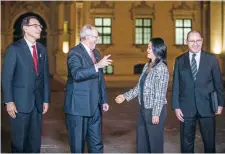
35, 58
92, 56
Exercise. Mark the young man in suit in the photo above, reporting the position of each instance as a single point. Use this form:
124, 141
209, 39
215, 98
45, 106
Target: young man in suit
196, 75
85, 93
25, 85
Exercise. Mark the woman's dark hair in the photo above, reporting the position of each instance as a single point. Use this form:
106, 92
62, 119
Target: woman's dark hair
159, 49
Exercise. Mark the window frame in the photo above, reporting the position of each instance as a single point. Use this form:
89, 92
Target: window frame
102, 35
175, 28
142, 27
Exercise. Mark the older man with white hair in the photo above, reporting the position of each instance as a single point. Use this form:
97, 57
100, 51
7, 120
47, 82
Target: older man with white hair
85, 93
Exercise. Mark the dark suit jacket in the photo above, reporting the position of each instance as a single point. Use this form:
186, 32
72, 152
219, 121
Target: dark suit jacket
194, 96
20, 83
85, 88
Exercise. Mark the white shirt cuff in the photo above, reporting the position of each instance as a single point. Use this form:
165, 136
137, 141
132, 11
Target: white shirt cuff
96, 68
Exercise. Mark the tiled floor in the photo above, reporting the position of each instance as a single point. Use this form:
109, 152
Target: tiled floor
119, 126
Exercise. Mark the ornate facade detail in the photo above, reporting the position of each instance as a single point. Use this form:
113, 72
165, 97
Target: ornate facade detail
79, 5
103, 47
19, 8
102, 4
142, 10
79, 14
183, 11
183, 48
102, 9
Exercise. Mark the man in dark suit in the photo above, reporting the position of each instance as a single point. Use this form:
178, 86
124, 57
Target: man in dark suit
25, 85
196, 75
85, 93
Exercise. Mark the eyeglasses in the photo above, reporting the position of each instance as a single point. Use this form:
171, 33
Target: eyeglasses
35, 25
96, 37
193, 41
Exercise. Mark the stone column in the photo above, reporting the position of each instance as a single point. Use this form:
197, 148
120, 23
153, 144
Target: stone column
52, 33
205, 23
223, 39
215, 27
60, 25
60, 56
51, 55
79, 20
223, 25
71, 26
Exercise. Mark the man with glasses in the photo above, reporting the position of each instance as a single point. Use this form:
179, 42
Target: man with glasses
85, 93
25, 85
196, 75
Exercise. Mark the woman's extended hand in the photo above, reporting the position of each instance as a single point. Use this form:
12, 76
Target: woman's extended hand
119, 99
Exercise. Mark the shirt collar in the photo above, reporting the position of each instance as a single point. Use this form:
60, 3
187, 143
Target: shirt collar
29, 43
88, 49
197, 54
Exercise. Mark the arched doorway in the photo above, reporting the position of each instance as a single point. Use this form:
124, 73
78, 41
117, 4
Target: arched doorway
18, 33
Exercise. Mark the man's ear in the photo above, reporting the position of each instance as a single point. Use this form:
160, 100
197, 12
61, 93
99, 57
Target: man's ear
24, 28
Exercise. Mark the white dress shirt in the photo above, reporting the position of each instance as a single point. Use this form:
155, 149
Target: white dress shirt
197, 58
89, 50
30, 46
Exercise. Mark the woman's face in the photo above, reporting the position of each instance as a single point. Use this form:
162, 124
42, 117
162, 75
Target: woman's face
150, 53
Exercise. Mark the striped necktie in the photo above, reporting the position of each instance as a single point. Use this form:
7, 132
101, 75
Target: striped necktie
194, 66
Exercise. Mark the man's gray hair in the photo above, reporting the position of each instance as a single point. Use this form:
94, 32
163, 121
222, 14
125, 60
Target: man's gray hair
87, 30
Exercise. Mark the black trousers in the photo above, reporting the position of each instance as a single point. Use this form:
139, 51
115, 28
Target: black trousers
25, 131
81, 128
207, 129
150, 137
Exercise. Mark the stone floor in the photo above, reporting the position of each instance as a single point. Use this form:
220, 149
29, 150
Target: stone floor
118, 126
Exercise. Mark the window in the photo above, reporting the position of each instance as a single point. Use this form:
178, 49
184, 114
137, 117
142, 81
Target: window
104, 28
183, 26
143, 30
108, 70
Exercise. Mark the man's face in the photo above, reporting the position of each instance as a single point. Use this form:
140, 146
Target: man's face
194, 42
92, 40
33, 29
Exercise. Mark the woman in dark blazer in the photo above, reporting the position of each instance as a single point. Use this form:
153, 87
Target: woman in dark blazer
151, 91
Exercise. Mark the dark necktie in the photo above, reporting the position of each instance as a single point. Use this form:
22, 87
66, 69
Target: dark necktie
194, 66
35, 58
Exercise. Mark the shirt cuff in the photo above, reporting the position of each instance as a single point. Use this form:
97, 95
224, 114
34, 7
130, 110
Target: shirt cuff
96, 68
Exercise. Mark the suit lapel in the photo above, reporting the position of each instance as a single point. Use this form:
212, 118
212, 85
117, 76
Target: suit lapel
202, 64
28, 57
39, 56
86, 55
187, 65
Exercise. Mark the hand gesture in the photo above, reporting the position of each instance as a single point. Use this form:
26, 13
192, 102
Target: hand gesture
119, 99
104, 62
